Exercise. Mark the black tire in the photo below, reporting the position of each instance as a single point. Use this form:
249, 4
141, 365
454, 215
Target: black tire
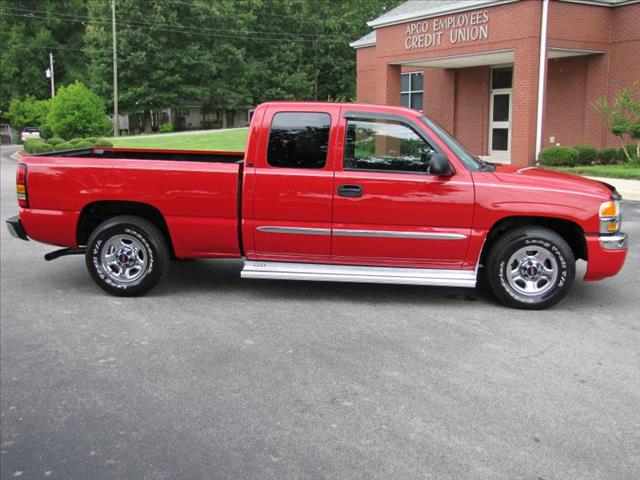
521, 264
142, 247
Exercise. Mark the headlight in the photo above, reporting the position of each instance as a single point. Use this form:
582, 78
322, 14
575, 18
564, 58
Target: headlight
610, 217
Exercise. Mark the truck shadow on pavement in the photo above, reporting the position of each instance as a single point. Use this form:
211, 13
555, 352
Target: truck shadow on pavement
224, 276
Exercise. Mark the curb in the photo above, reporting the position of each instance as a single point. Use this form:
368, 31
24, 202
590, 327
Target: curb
17, 155
629, 189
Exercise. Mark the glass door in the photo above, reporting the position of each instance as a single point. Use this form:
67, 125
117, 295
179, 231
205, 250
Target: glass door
500, 112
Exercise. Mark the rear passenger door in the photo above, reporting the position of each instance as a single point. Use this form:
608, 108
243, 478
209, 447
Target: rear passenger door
293, 186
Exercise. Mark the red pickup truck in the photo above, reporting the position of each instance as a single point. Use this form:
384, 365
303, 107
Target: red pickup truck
325, 191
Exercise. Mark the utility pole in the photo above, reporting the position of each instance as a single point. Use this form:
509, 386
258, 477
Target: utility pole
51, 74
116, 118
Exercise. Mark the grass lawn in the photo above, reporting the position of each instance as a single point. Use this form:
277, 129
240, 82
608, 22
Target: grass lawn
611, 171
222, 140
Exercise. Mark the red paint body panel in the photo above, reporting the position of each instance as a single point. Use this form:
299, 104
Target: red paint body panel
603, 263
200, 201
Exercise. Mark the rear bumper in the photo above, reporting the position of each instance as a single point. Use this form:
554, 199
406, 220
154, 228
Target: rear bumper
15, 228
606, 255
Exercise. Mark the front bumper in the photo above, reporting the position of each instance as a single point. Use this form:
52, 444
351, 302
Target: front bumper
606, 255
15, 228
614, 242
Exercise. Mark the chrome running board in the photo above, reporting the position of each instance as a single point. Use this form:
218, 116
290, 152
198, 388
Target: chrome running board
359, 274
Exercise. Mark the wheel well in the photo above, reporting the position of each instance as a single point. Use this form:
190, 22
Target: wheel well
95, 213
570, 231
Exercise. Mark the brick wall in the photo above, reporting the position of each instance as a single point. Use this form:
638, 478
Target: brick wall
457, 98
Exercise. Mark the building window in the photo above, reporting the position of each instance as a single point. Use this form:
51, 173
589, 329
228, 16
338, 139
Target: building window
299, 140
411, 90
385, 145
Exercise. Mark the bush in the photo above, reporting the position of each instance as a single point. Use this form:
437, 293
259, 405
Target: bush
83, 144
103, 143
165, 128
76, 111
73, 141
607, 156
635, 161
55, 141
39, 147
32, 143
631, 149
586, 155
91, 139
558, 156
64, 146
29, 112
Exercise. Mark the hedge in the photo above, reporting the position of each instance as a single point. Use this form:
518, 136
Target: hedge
558, 156
586, 155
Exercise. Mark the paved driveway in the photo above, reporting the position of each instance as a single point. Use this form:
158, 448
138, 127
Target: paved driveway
211, 376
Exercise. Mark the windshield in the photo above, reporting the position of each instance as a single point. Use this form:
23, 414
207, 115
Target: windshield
471, 161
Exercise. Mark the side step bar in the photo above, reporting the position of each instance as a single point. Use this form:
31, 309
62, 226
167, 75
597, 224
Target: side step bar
358, 274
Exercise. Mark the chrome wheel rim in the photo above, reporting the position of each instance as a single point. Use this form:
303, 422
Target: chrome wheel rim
124, 258
532, 270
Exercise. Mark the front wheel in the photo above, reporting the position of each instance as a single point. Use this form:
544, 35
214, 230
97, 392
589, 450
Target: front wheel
530, 268
127, 255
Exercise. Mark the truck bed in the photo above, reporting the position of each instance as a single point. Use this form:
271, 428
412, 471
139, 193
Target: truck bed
195, 192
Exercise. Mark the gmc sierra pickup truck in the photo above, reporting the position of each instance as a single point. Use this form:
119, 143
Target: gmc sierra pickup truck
325, 191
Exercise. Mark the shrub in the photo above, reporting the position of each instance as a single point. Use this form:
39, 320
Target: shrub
33, 140
103, 143
83, 144
76, 111
607, 156
29, 112
73, 141
558, 156
165, 128
635, 161
91, 139
55, 141
64, 146
39, 147
586, 155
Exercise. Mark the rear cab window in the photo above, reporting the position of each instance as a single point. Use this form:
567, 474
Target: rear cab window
299, 140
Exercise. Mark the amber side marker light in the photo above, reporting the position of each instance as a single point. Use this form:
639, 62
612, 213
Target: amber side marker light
609, 216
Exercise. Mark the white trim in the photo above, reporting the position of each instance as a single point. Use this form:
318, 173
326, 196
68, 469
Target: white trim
602, 3
425, 62
436, 12
542, 72
358, 274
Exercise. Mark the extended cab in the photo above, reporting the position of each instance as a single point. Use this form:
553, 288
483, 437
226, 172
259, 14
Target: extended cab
325, 191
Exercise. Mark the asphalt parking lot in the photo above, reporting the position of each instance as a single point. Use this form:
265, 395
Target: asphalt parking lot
211, 376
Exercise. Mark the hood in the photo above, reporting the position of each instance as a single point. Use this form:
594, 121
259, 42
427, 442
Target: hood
551, 179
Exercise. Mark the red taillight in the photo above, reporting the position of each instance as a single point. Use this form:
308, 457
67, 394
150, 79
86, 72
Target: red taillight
21, 185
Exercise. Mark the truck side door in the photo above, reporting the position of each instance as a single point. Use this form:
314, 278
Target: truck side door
388, 209
293, 184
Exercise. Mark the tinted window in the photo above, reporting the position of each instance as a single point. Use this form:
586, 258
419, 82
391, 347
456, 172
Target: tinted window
501, 77
385, 145
299, 140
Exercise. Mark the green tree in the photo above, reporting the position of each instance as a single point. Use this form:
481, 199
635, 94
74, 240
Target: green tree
623, 116
29, 112
170, 52
78, 112
29, 30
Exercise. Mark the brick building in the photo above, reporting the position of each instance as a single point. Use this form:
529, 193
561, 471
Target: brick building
474, 66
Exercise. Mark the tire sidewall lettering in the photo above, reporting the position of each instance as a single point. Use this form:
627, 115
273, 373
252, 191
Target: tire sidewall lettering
97, 251
561, 281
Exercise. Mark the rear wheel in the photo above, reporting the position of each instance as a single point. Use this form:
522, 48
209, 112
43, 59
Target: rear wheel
530, 268
127, 255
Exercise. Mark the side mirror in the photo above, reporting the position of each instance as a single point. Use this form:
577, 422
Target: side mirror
440, 165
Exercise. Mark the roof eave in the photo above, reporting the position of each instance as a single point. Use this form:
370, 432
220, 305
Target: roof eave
436, 12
